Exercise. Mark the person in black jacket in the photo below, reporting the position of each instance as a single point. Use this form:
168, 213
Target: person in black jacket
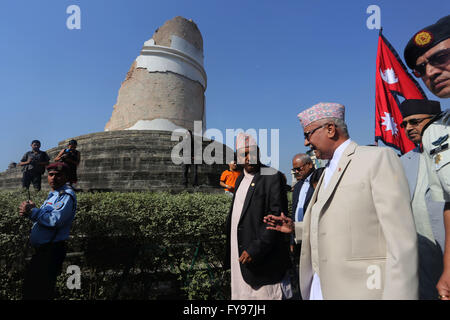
258, 258
33, 165
70, 156
304, 170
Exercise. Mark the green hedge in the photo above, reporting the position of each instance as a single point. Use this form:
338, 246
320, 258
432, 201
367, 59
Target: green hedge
128, 246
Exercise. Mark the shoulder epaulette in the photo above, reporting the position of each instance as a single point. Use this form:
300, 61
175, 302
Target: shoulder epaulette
63, 192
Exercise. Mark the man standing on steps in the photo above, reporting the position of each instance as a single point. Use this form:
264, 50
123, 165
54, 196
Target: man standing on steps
33, 163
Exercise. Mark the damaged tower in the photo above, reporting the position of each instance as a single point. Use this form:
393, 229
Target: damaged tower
163, 90
165, 86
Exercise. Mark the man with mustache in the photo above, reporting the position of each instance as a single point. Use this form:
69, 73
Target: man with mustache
258, 258
427, 213
358, 235
428, 55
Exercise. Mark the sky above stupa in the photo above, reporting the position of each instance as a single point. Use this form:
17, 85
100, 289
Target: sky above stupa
265, 61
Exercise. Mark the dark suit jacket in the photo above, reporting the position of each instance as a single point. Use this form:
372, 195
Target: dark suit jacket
268, 249
296, 194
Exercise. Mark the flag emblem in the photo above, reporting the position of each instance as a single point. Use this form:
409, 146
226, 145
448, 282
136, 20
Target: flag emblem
389, 76
389, 123
393, 84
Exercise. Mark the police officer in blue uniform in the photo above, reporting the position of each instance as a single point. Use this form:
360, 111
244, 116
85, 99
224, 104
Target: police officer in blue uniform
51, 227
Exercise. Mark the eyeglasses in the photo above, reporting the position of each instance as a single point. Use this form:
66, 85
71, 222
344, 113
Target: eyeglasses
413, 122
438, 59
310, 133
298, 168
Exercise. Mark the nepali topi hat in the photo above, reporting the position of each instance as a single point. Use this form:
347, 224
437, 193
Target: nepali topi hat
58, 166
419, 106
322, 110
244, 140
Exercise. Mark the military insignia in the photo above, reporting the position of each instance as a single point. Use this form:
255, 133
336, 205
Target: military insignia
437, 159
58, 205
423, 38
440, 140
439, 149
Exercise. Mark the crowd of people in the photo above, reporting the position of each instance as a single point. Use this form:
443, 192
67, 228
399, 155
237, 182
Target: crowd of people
368, 225
373, 225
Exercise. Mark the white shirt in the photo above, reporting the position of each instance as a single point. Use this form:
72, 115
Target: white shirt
316, 290
333, 163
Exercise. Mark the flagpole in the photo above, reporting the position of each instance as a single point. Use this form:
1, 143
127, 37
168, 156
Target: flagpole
375, 124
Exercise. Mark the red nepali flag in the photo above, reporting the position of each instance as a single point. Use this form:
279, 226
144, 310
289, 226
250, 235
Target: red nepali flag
393, 84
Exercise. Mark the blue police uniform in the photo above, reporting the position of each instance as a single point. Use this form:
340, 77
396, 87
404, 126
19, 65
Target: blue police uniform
52, 221
51, 227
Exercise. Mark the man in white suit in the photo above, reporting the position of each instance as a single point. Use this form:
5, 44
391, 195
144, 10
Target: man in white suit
358, 235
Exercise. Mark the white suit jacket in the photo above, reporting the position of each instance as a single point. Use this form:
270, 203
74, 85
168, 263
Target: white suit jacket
358, 233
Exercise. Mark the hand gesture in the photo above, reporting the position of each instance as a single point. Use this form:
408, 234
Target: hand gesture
245, 258
443, 285
279, 223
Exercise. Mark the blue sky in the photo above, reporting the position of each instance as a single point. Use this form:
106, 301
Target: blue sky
265, 60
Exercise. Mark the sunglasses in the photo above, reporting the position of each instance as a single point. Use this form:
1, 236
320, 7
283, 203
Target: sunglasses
310, 133
298, 168
439, 59
413, 122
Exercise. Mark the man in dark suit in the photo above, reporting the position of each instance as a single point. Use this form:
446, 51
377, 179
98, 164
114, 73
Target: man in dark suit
258, 258
303, 169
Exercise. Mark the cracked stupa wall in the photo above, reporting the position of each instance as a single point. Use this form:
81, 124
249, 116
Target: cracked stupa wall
164, 88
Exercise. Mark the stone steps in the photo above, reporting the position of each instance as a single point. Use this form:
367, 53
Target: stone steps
129, 160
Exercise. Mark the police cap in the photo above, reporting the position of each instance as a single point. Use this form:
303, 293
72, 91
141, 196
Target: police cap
425, 39
58, 166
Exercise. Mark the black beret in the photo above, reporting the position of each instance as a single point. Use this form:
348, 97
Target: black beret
425, 39
422, 106
58, 166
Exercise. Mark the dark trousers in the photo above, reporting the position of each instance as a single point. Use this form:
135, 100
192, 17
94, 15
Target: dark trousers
431, 265
186, 174
295, 281
31, 177
44, 268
